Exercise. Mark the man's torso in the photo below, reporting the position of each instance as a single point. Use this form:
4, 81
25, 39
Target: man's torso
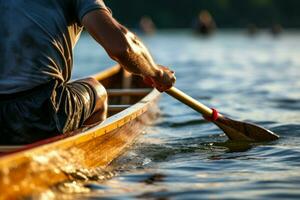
36, 41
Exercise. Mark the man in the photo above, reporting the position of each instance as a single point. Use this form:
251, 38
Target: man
36, 42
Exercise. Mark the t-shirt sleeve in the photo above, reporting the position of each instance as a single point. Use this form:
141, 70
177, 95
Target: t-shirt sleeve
84, 6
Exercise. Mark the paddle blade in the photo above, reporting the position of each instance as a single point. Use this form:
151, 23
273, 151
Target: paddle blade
244, 131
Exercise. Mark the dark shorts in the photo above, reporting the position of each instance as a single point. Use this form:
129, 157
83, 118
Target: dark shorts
45, 111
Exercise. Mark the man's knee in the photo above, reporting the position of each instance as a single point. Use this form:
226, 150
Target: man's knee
100, 94
101, 100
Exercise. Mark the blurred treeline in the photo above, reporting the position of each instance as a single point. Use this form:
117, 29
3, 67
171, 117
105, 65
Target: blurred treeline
227, 13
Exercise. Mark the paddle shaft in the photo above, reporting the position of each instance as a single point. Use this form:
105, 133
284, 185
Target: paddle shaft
189, 101
235, 130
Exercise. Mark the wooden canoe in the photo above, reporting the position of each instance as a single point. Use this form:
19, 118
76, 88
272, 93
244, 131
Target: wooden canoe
33, 168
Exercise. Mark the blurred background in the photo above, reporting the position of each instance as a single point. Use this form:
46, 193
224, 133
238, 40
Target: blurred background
226, 13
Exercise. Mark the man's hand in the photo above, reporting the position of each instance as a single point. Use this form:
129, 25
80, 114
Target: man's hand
164, 79
127, 49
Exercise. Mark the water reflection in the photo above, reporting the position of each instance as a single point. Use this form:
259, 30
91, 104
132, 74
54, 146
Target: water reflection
184, 157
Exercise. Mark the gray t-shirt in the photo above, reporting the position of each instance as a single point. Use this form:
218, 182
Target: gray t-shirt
36, 40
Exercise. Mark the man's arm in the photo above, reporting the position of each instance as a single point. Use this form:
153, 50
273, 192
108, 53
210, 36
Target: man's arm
124, 47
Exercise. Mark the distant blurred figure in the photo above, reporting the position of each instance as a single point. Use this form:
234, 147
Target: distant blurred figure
276, 29
204, 24
146, 25
252, 29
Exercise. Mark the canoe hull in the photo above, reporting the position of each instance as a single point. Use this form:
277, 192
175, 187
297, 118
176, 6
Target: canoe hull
34, 169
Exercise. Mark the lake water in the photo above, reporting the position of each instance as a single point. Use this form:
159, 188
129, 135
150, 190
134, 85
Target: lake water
184, 157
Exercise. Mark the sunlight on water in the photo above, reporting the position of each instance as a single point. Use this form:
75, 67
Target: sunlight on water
183, 156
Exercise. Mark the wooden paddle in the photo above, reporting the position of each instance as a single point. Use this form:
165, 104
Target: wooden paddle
235, 130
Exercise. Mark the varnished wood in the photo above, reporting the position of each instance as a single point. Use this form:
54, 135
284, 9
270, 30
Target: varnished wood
10, 148
126, 84
189, 101
244, 131
128, 92
108, 73
117, 108
35, 167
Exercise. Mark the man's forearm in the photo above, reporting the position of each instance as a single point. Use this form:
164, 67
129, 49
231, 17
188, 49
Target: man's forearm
137, 59
121, 44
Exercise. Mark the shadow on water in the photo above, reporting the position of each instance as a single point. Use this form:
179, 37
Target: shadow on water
287, 103
235, 146
287, 130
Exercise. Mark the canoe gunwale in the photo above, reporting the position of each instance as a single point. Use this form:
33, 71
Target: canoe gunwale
99, 130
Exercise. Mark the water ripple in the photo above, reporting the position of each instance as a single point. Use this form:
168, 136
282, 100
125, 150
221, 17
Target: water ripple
183, 156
